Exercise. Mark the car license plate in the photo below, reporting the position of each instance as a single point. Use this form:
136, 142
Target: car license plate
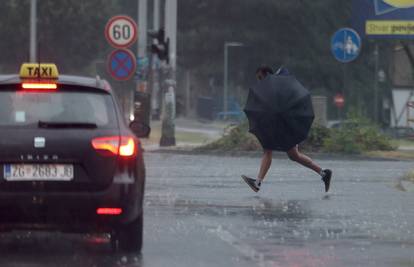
38, 172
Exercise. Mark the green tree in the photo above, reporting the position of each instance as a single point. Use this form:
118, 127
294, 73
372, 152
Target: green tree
70, 33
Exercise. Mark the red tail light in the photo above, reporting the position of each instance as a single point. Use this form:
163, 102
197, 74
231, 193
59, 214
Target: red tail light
37, 86
127, 147
108, 211
110, 144
117, 145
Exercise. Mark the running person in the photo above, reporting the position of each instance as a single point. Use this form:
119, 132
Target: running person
293, 153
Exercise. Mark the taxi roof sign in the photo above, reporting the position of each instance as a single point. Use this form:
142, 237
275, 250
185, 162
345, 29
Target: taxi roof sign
39, 71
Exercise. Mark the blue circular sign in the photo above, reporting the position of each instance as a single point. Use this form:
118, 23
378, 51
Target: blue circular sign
122, 64
346, 45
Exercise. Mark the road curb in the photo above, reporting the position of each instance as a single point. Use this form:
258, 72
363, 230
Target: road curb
406, 186
256, 154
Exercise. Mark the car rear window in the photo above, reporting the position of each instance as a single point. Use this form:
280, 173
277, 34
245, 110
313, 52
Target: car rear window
27, 108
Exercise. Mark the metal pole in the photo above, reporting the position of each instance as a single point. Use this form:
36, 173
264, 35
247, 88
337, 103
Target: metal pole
142, 31
168, 120
141, 83
33, 41
341, 111
187, 92
376, 55
225, 88
154, 81
226, 73
156, 17
171, 31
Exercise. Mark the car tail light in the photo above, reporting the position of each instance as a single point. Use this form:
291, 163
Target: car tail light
37, 86
127, 147
117, 145
108, 211
110, 144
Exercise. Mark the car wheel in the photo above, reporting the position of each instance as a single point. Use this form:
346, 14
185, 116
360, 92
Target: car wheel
128, 237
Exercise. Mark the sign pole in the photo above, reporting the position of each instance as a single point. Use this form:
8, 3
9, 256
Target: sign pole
345, 84
345, 47
121, 32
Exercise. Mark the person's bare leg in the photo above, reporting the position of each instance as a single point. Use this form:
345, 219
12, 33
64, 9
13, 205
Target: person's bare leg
304, 160
326, 174
265, 164
264, 167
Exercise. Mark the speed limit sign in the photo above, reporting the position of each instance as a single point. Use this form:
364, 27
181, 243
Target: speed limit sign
121, 31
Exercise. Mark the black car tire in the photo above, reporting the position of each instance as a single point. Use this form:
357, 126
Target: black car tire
128, 238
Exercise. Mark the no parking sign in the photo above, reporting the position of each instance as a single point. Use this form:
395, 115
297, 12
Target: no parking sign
121, 64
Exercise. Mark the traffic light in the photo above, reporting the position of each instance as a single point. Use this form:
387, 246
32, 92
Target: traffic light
162, 47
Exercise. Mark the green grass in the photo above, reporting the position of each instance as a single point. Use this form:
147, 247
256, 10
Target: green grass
409, 176
192, 137
406, 263
182, 137
394, 154
402, 142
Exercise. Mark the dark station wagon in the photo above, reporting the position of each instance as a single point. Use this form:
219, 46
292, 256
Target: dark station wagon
68, 159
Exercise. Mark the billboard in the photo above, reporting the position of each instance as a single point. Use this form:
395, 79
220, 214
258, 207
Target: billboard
390, 19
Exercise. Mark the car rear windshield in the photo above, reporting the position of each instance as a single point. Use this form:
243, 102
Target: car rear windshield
29, 108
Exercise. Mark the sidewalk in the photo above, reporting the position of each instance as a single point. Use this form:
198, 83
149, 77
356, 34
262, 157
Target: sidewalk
406, 148
189, 133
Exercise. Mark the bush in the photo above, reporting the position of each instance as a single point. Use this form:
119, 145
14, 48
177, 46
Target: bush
237, 138
316, 138
409, 176
357, 134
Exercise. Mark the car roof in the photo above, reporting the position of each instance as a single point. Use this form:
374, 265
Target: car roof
64, 79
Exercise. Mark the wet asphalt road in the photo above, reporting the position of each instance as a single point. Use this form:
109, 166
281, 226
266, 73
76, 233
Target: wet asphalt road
198, 212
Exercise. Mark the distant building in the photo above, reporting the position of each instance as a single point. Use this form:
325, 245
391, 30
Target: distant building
402, 79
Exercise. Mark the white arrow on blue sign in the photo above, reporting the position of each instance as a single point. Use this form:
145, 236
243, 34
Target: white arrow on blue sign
346, 45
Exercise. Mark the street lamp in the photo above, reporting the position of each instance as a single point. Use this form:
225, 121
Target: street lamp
376, 58
226, 65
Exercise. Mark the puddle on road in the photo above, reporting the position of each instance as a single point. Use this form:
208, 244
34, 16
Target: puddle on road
45, 249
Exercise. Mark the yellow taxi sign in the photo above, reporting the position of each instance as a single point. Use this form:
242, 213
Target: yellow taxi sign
38, 71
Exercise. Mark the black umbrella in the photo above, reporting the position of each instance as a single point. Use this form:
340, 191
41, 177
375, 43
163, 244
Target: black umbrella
280, 112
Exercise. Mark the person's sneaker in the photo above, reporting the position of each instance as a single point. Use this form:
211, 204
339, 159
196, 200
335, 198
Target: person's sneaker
326, 178
251, 182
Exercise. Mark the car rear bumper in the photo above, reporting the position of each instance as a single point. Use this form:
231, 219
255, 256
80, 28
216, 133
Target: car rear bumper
70, 211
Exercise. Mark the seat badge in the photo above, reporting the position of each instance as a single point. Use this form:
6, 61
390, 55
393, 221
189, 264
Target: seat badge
39, 142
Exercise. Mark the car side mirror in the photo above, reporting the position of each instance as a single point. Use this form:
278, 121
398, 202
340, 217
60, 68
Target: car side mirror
140, 129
